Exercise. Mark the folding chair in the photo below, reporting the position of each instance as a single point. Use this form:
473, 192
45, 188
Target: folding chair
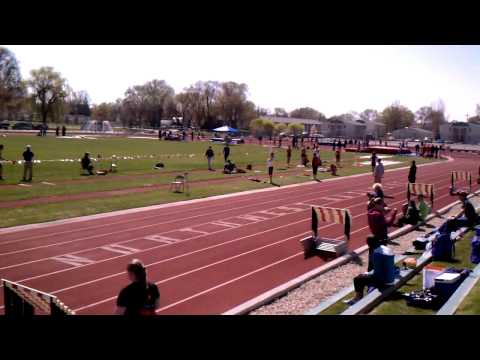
179, 184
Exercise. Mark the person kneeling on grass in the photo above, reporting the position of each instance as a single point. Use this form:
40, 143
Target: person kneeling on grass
87, 163
229, 168
381, 275
140, 297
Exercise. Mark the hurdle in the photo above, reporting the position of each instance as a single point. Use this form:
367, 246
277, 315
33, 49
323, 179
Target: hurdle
461, 175
21, 300
420, 189
314, 243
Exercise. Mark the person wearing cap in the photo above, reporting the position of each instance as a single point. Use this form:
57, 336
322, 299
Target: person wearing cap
28, 156
377, 221
87, 163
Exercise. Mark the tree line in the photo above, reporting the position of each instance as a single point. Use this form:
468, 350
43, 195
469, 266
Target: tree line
46, 96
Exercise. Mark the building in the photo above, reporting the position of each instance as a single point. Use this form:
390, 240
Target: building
412, 133
355, 129
460, 132
311, 126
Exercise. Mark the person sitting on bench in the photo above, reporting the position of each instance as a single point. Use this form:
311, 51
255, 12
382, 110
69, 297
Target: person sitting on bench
229, 168
379, 277
467, 217
87, 163
411, 215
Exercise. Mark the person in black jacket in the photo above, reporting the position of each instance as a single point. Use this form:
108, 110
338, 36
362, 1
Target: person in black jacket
209, 154
140, 297
412, 174
28, 165
226, 152
64, 130
87, 163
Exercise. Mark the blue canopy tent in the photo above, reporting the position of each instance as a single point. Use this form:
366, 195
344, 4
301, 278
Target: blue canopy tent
225, 129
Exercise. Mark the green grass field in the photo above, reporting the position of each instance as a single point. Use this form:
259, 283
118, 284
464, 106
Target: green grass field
138, 173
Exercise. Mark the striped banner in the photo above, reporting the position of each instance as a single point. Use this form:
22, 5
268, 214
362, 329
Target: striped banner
333, 215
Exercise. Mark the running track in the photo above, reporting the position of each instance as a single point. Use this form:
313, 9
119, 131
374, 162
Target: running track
206, 256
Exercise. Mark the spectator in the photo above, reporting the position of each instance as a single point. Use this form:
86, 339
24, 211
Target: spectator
412, 174
57, 131
226, 152
379, 171
140, 297
337, 157
411, 215
417, 149
316, 162
378, 191
289, 155
373, 160
373, 242
87, 163
270, 167
229, 168
377, 221
333, 145
210, 155
192, 135
28, 156
1, 159
160, 134
423, 208
304, 157
379, 277
64, 130
468, 217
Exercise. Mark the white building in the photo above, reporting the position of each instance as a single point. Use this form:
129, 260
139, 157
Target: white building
460, 132
412, 133
310, 126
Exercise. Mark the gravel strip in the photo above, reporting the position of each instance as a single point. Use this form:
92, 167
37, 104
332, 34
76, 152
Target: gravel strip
310, 294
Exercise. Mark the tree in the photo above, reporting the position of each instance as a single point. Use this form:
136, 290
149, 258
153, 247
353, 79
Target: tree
295, 129
48, 90
397, 116
234, 109
422, 117
305, 113
12, 89
256, 127
78, 103
268, 128
103, 112
279, 128
280, 112
369, 115
437, 118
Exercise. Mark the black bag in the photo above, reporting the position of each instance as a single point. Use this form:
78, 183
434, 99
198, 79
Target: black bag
425, 299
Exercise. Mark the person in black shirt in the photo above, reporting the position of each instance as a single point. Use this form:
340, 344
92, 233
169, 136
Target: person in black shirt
28, 166
87, 164
209, 154
140, 297
412, 174
469, 211
57, 131
226, 152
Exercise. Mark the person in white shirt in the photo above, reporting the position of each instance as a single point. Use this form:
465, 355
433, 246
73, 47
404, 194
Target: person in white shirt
270, 167
378, 172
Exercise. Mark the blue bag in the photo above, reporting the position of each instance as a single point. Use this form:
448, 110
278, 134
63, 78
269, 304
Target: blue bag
443, 247
475, 255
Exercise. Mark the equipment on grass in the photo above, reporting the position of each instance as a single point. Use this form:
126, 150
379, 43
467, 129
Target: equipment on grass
316, 243
21, 300
180, 184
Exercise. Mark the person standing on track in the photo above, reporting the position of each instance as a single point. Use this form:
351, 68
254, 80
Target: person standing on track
210, 155
270, 167
289, 155
373, 160
378, 172
412, 174
140, 297
28, 165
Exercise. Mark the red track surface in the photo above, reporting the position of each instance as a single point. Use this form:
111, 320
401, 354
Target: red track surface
211, 268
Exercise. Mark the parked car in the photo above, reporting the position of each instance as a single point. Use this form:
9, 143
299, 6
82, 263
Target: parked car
4, 125
22, 126
38, 126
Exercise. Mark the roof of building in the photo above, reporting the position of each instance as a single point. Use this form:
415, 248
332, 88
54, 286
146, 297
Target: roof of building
290, 120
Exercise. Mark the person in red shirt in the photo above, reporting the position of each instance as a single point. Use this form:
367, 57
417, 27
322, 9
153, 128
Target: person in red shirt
377, 220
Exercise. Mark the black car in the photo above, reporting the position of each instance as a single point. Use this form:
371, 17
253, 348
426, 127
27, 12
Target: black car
38, 127
22, 126
4, 125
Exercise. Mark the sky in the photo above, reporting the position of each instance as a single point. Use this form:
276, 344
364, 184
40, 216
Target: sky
332, 79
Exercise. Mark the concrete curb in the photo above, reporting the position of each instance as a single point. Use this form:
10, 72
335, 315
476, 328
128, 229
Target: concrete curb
325, 304
283, 289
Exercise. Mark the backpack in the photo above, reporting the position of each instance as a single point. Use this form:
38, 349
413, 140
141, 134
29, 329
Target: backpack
443, 248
